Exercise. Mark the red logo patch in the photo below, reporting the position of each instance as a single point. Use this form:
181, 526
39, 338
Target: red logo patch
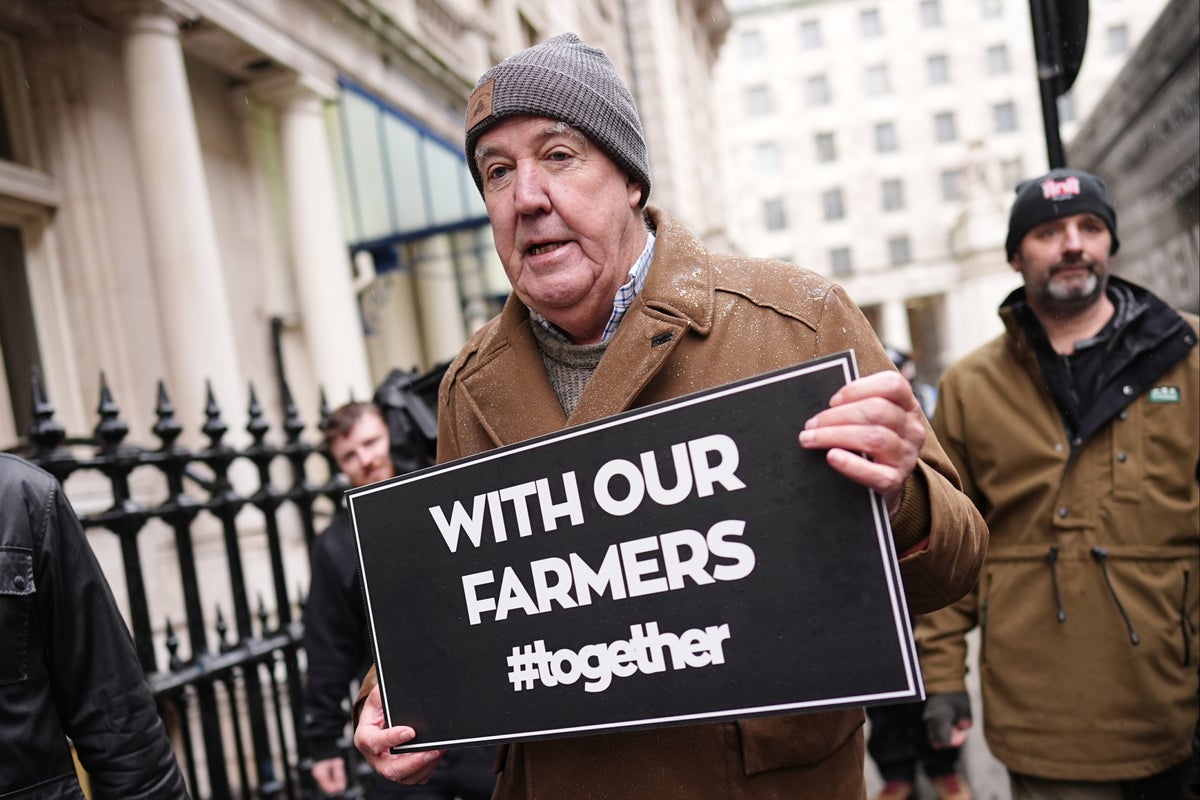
1060, 190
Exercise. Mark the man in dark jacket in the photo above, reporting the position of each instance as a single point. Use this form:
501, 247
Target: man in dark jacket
335, 629
68, 668
1077, 434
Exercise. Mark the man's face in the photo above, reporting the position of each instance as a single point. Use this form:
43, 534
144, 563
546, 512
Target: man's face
565, 219
363, 452
1065, 263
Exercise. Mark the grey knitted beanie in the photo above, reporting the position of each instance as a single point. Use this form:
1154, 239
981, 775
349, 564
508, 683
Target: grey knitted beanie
1058, 193
563, 79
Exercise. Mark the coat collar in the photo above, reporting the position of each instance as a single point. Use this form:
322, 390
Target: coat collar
507, 388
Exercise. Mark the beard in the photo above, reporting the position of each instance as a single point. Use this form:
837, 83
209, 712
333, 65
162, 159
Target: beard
1066, 299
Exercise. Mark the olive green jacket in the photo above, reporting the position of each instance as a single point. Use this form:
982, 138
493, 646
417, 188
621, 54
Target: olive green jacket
1087, 606
702, 320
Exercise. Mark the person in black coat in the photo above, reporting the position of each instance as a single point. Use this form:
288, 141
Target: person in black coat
336, 637
68, 667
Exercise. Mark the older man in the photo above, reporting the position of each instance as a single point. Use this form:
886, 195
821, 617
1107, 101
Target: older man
1077, 433
616, 306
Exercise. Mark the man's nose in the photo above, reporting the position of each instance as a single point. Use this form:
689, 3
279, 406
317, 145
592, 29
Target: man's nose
1072, 240
530, 190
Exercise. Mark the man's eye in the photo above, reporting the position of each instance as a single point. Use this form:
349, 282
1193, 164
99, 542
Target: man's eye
559, 155
496, 173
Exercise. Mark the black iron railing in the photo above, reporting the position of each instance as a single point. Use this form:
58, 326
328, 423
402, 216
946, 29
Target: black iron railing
214, 543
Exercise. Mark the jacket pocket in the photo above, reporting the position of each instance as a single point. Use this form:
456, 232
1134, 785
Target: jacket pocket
16, 611
796, 740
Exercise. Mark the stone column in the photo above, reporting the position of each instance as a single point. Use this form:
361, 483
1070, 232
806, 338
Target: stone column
441, 309
320, 259
893, 324
188, 275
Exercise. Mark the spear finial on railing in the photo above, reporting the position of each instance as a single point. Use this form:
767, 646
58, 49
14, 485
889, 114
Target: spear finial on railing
111, 429
258, 426
45, 431
168, 428
214, 427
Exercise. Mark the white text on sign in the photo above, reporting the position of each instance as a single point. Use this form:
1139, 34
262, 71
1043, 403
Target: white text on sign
645, 651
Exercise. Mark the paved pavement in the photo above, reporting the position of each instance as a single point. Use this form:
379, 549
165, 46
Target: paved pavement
986, 776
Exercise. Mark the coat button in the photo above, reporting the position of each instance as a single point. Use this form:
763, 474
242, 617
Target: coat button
1128, 390
19, 581
1124, 415
1122, 458
1062, 513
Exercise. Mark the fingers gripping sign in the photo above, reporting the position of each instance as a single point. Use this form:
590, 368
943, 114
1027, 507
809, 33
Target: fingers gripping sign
375, 742
873, 432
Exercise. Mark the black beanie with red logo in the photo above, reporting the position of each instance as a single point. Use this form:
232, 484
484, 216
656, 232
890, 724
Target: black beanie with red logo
1058, 193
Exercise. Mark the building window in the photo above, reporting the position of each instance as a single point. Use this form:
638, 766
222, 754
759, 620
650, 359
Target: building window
997, 60
1066, 106
991, 9
1004, 116
831, 202
774, 218
826, 147
877, 80
810, 34
840, 265
751, 45
817, 90
931, 14
898, 251
766, 158
892, 194
885, 137
758, 101
7, 153
869, 25
16, 143
944, 129
952, 188
1117, 37
937, 68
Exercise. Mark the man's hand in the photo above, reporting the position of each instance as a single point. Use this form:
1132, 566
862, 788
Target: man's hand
375, 742
877, 416
330, 775
947, 717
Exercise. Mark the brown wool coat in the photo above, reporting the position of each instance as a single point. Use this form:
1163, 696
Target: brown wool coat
727, 318
1073, 698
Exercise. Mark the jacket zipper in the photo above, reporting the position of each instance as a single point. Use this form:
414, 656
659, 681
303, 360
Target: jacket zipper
1052, 557
1101, 555
1185, 622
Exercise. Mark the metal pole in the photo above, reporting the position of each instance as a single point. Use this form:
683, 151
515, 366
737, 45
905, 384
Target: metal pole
1047, 49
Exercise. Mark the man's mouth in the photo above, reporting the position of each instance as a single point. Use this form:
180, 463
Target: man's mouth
1074, 266
545, 247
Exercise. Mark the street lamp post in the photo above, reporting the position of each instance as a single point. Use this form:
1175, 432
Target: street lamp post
1059, 39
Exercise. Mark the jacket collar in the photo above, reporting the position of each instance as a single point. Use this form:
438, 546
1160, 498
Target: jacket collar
508, 389
1144, 324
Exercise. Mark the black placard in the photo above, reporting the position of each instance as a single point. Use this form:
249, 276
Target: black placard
750, 579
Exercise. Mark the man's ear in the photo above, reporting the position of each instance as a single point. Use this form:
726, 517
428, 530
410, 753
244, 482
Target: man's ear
1015, 262
635, 194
